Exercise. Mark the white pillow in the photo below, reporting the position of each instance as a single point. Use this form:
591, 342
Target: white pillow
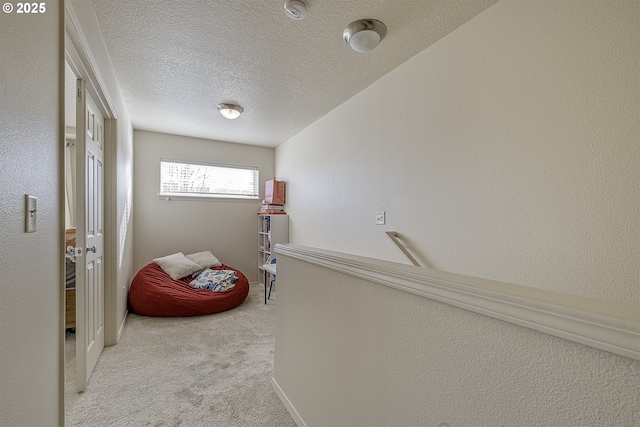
177, 265
204, 259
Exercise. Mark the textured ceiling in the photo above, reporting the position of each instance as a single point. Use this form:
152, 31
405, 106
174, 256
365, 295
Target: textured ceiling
176, 60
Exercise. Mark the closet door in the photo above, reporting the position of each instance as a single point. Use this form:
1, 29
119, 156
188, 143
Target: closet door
89, 235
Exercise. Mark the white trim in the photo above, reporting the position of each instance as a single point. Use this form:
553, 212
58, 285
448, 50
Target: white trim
83, 63
111, 291
601, 324
208, 198
287, 404
70, 133
121, 328
84, 66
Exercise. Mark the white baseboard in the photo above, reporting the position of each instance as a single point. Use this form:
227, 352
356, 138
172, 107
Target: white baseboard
121, 328
287, 404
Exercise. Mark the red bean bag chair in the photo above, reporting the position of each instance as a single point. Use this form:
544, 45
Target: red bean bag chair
154, 293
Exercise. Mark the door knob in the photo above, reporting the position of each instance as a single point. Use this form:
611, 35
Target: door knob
92, 249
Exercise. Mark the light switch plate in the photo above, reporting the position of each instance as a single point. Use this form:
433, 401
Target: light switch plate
380, 218
30, 213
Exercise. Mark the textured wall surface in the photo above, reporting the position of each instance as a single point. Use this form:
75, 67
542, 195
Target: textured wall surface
377, 356
507, 150
228, 228
31, 326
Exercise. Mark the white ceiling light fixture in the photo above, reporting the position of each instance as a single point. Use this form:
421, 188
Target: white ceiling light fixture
230, 111
296, 9
364, 35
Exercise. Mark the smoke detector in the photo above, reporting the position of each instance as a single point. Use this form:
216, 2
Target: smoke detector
296, 9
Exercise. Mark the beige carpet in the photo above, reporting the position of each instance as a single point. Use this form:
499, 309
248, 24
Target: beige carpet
197, 371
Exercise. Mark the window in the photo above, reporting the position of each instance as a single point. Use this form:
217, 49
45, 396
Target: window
206, 180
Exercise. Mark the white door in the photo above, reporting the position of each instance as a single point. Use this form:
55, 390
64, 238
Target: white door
89, 235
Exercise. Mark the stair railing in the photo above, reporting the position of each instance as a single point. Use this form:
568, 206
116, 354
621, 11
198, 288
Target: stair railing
394, 238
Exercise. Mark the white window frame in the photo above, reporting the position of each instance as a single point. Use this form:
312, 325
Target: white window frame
168, 195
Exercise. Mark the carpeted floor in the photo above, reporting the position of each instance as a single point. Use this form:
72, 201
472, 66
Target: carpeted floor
197, 371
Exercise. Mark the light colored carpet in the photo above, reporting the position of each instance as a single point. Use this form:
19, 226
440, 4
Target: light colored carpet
196, 371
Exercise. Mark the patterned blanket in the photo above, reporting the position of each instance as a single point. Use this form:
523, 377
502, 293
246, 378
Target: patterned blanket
215, 280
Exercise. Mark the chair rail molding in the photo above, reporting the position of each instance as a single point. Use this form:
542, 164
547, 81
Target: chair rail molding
601, 324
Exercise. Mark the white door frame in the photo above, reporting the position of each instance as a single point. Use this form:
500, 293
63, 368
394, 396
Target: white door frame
81, 61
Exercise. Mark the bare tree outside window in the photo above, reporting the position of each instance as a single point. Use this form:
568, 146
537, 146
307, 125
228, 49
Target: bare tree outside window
181, 178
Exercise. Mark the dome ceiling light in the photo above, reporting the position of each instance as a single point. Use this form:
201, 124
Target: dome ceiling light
230, 111
364, 35
296, 9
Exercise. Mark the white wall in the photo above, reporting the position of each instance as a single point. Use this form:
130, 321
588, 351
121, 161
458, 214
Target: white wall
31, 282
351, 352
119, 188
228, 228
507, 150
